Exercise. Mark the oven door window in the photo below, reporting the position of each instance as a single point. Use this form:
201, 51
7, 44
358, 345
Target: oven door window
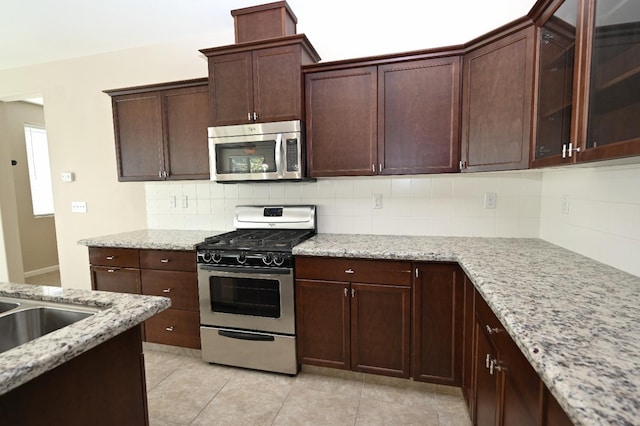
246, 157
245, 296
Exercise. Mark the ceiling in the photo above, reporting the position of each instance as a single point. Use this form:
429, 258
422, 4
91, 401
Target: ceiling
39, 31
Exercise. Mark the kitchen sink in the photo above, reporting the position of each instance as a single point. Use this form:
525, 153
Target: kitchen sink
7, 306
25, 320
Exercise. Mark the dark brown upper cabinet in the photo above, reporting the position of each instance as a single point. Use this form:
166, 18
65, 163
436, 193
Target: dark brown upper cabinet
383, 116
497, 100
588, 94
258, 81
161, 131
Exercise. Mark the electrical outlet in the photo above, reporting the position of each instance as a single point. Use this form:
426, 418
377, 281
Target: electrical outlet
184, 202
377, 201
78, 207
490, 200
564, 208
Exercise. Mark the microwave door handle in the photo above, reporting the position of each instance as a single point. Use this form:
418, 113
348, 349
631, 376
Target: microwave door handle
280, 166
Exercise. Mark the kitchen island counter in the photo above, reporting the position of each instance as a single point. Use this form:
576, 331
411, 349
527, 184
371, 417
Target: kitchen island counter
118, 313
574, 319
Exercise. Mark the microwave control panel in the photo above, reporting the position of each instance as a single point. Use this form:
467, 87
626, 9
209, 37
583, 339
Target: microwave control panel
292, 155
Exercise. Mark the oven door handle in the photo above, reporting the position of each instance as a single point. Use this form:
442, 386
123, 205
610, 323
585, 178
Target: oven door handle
246, 336
244, 270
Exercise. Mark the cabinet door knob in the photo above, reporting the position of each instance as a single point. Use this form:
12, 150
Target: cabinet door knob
167, 290
164, 260
349, 271
169, 329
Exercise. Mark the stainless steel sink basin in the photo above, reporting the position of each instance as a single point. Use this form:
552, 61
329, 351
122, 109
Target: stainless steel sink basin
26, 320
7, 306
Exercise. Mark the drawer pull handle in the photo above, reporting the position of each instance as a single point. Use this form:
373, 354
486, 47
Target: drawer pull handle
169, 329
492, 330
349, 271
164, 260
167, 290
111, 271
111, 257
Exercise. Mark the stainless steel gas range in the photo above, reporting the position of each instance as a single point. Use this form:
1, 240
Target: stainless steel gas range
246, 288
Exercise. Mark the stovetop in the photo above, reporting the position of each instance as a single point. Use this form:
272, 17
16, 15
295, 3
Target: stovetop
257, 240
264, 237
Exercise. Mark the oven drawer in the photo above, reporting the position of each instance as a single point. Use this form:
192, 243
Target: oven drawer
174, 327
260, 351
354, 270
172, 260
108, 256
180, 287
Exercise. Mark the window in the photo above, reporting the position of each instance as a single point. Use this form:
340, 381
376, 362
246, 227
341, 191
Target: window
39, 170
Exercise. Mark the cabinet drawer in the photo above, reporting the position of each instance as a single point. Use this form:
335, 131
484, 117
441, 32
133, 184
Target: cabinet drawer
181, 287
119, 280
107, 256
173, 260
354, 270
487, 319
174, 327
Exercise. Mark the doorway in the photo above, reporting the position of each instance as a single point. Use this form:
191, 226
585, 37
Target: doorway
23, 129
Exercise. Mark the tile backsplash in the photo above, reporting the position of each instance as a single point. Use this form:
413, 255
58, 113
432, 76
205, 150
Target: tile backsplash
446, 204
594, 211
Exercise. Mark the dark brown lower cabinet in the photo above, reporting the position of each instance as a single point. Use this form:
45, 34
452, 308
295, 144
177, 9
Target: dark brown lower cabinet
167, 273
438, 291
323, 317
103, 386
354, 325
507, 389
485, 382
468, 389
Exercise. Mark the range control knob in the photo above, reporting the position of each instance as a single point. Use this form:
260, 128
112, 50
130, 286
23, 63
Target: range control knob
206, 256
217, 257
242, 258
278, 260
267, 259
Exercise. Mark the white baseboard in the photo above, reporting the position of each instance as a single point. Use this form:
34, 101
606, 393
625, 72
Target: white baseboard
41, 271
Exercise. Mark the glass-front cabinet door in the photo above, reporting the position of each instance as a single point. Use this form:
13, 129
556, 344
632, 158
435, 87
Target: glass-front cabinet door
555, 83
588, 99
613, 125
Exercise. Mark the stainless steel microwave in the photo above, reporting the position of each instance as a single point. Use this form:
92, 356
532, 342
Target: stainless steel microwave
260, 151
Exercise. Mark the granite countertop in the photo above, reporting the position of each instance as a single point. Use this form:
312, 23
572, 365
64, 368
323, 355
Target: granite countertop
119, 312
158, 239
575, 319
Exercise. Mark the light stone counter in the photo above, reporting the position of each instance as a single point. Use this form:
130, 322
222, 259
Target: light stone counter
580, 316
156, 239
119, 313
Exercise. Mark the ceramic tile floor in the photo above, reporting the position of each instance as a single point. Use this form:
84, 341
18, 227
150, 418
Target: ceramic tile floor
183, 390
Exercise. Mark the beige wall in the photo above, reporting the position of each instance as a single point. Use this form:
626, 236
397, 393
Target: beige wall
10, 247
80, 132
37, 235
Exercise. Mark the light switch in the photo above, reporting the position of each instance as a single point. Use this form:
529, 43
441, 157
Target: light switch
184, 202
78, 207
